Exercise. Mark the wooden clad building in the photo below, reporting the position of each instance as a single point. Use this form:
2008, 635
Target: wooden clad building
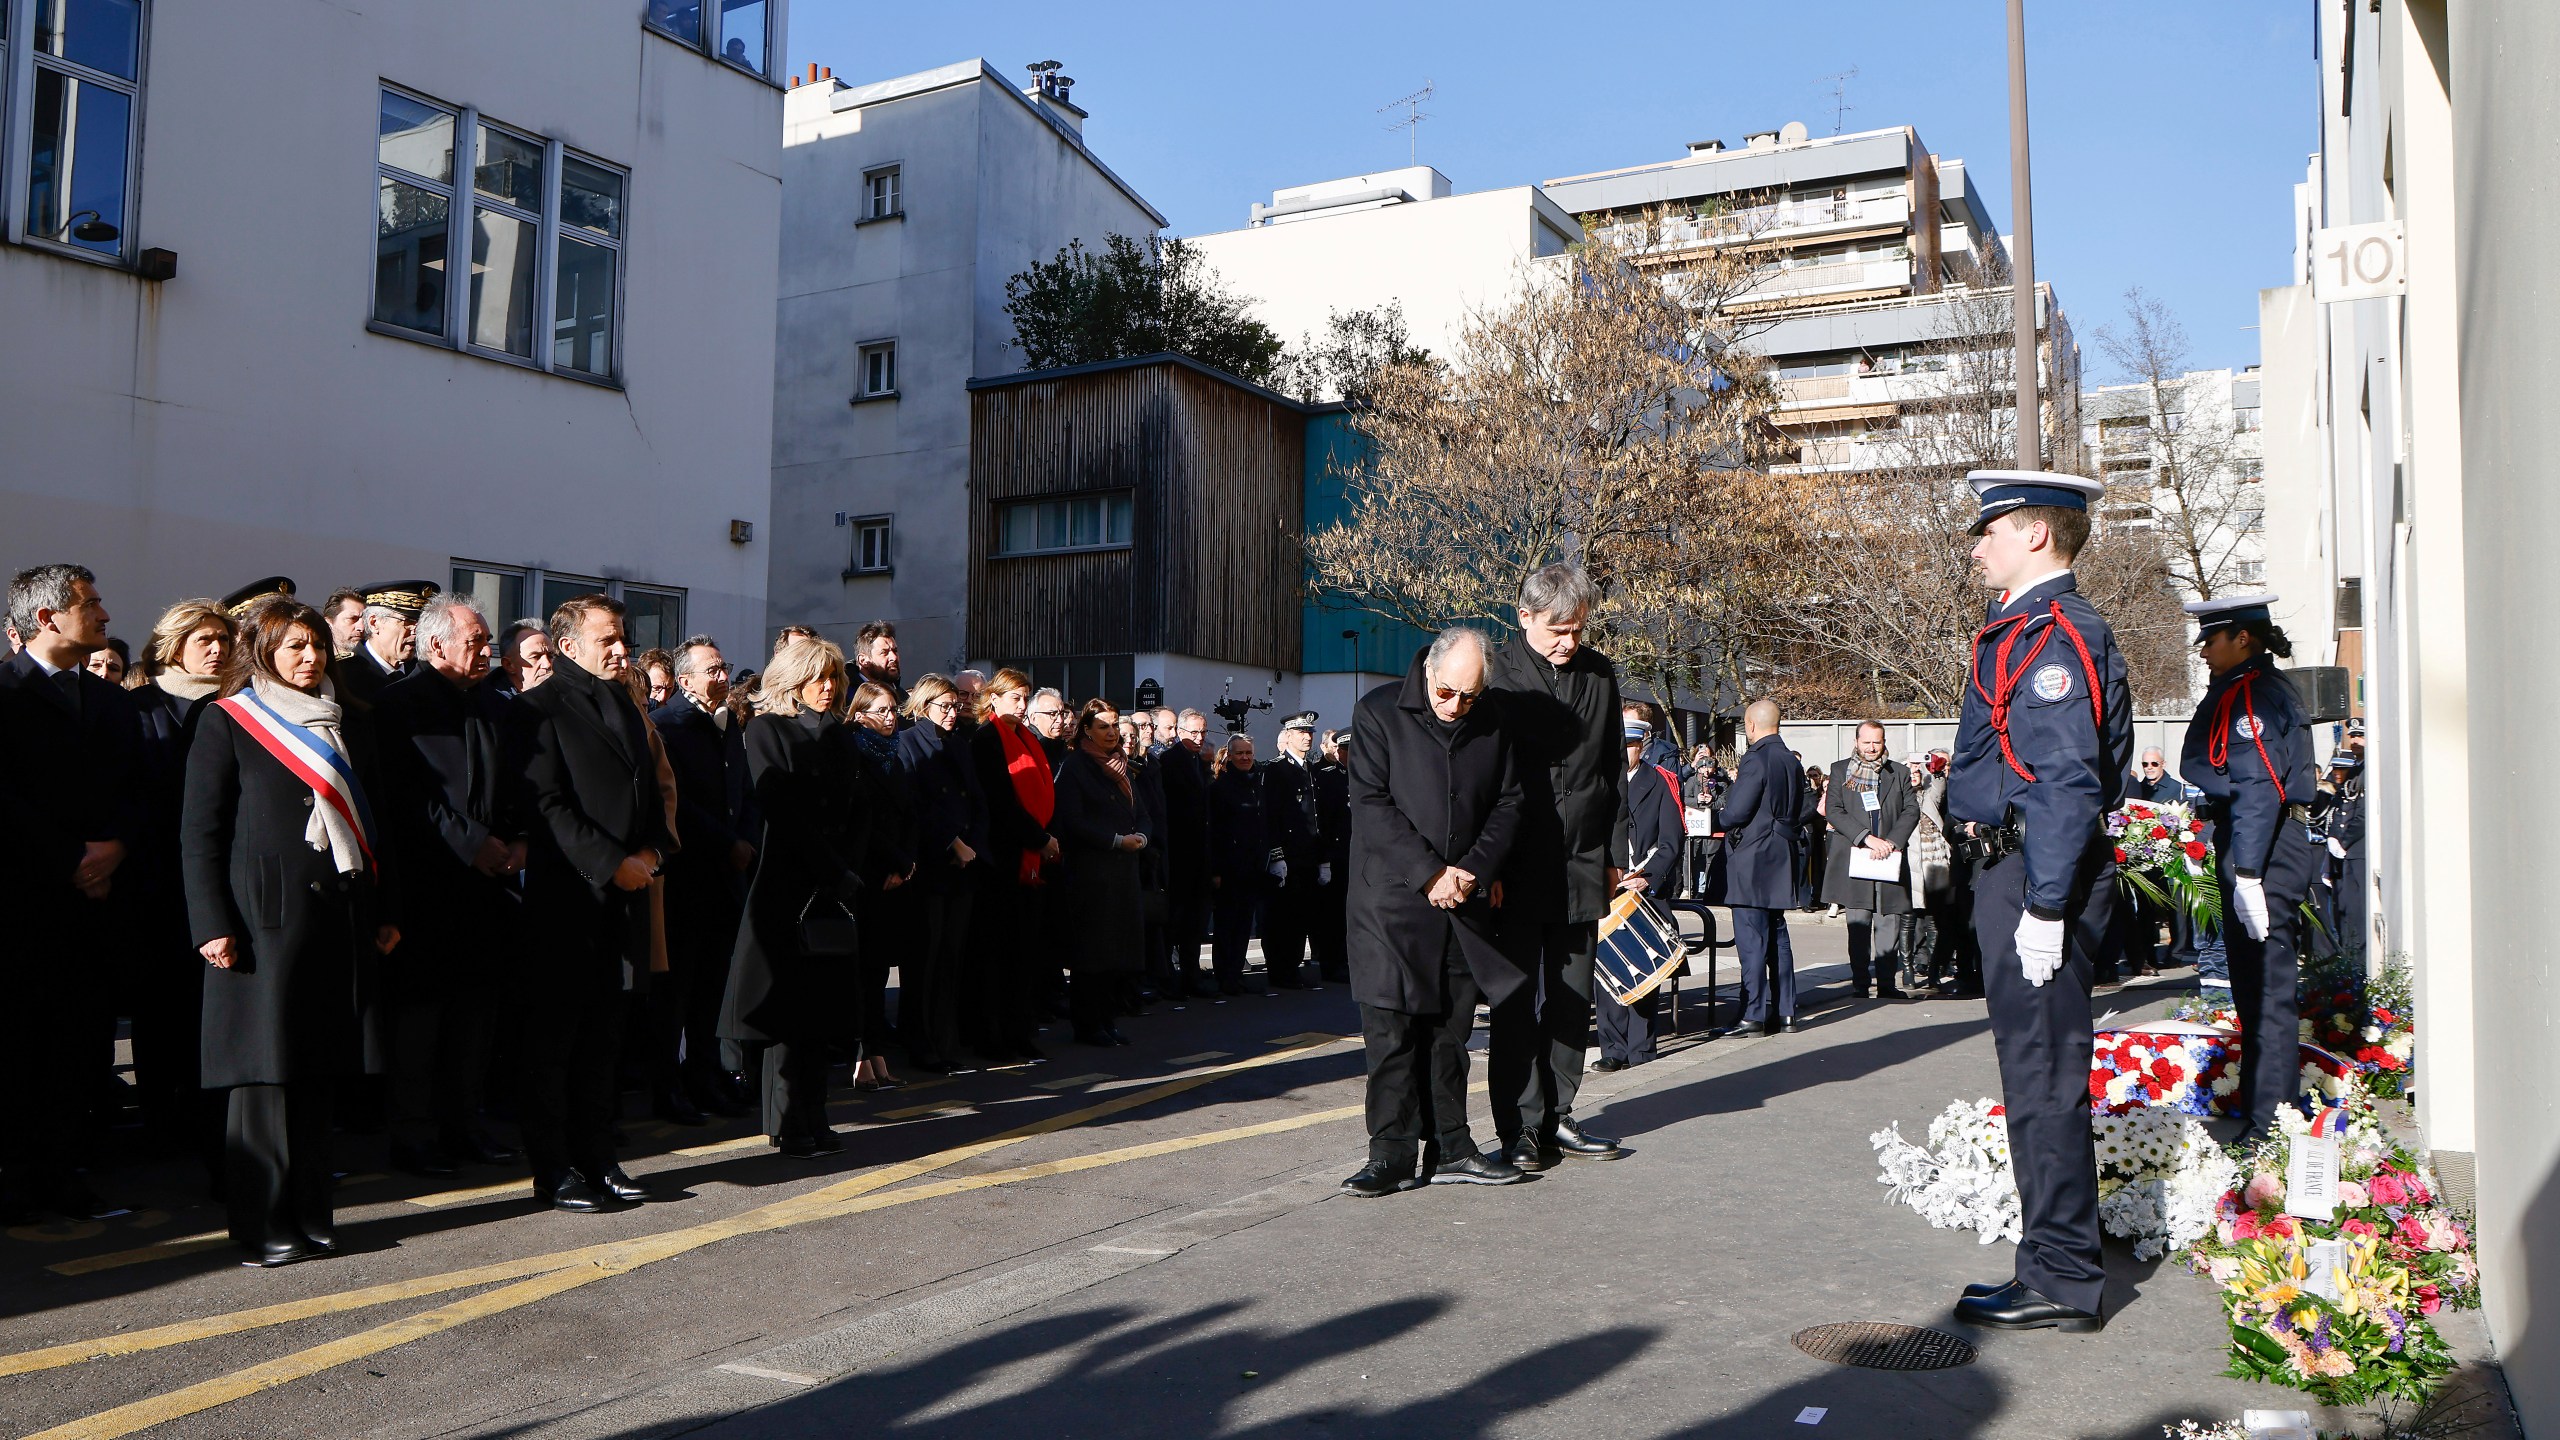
1129, 512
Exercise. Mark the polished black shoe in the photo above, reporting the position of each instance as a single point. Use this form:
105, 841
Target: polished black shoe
826, 1139
1976, 1291
1608, 1064
798, 1147
1374, 1180
477, 1147
1525, 1153
1787, 1026
615, 1181
677, 1108
575, 1196
422, 1159
1747, 1027
1477, 1169
2021, 1308
283, 1252
1579, 1144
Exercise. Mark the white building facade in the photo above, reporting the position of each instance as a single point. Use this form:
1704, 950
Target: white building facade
907, 206
205, 381
2210, 425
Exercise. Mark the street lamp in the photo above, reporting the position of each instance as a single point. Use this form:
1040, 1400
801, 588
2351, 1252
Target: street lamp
2022, 274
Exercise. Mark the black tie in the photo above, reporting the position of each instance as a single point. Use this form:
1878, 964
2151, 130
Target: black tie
68, 681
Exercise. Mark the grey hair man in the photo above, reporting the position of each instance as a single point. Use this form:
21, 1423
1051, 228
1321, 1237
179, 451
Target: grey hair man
1558, 699
1435, 806
524, 652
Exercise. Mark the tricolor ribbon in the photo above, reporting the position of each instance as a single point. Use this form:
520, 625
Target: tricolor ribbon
312, 760
2331, 1122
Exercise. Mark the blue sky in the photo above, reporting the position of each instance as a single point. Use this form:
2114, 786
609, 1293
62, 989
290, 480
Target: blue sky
2168, 134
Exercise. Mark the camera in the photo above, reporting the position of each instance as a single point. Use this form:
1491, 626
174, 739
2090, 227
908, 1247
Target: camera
1237, 710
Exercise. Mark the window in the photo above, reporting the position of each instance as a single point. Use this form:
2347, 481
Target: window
2251, 572
2249, 522
879, 369
741, 32
541, 223
656, 612
1082, 522
870, 546
71, 161
881, 195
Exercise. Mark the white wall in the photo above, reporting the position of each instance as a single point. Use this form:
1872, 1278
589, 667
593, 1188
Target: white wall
989, 187
238, 420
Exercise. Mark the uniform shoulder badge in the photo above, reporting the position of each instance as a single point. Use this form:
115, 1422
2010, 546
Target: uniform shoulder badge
2052, 683
2248, 727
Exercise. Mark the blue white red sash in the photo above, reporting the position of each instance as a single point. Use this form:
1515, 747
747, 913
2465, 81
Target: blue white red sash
313, 760
2331, 1122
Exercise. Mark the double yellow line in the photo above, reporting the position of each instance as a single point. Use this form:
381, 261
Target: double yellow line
538, 1277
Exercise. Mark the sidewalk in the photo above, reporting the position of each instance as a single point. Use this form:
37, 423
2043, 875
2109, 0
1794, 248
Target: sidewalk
1652, 1297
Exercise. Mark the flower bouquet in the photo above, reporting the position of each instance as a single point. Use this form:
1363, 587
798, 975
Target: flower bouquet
2193, 1074
1962, 1181
2161, 1179
2162, 857
2367, 1021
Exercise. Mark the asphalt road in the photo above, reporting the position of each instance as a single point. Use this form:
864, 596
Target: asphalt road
1131, 1242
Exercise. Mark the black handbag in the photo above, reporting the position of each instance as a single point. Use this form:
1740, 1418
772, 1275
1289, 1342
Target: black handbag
827, 927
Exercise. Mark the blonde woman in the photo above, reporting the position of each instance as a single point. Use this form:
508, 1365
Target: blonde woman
180, 670
950, 830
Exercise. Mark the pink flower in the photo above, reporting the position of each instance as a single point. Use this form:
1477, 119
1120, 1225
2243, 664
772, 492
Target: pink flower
2266, 1191
2359, 1227
2442, 1234
2411, 1233
2429, 1301
2353, 1196
2386, 1189
2245, 1228
2280, 1227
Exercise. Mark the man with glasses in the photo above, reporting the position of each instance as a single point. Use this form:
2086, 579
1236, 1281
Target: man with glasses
1186, 850
1435, 807
706, 886
1052, 721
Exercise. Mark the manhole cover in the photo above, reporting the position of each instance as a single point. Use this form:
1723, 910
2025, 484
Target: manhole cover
1884, 1347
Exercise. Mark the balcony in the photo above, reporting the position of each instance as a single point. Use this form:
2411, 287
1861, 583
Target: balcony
1786, 223
1807, 283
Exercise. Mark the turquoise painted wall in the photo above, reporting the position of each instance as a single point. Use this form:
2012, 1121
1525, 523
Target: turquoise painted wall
1383, 646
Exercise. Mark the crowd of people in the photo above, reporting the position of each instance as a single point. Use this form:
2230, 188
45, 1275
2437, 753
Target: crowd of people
396, 864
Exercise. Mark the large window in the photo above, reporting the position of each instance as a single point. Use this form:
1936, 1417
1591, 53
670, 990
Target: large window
745, 33
503, 593
71, 113
1082, 522
543, 226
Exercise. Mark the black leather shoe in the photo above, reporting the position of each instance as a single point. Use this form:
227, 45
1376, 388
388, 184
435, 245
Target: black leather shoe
1374, 1180
1608, 1064
1477, 1169
1787, 1026
826, 1139
422, 1160
2021, 1308
283, 1252
615, 1181
677, 1108
575, 1196
323, 1239
1579, 1144
798, 1147
477, 1147
1525, 1153
1977, 1291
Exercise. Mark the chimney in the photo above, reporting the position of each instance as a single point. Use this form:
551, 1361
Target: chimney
1761, 140
1705, 147
1049, 92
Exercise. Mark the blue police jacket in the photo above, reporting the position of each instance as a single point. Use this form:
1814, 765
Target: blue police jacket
2249, 749
2032, 745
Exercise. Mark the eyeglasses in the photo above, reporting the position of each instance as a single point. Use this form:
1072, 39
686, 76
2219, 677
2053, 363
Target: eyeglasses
1463, 697
1052, 710
878, 710
945, 703
2150, 764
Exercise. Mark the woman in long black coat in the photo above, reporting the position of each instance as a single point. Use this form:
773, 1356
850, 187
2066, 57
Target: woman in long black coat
1014, 776
1097, 904
284, 896
785, 1003
182, 672
951, 829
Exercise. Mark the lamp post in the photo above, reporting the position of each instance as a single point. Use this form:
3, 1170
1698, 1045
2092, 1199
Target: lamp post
1354, 637
2022, 293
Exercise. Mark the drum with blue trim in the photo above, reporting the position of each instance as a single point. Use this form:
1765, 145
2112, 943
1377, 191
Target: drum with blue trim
1639, 949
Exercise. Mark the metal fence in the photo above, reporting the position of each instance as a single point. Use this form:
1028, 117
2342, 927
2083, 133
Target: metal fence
1821, 742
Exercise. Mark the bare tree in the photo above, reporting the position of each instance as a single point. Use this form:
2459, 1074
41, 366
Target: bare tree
1343, 362
2201, 490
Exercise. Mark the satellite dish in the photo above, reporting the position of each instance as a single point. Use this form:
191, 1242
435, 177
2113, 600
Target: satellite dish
1793, 133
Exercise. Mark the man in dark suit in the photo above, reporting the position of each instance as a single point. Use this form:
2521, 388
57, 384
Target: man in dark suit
1186, 816
1764, 858
706, 883
1289, 822
1326, 935
390, 647
69, 812
1435, 803
1557, 699
450, 817
599, 832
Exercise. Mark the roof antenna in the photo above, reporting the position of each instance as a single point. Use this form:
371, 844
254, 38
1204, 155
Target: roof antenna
1411, 124
1840, 106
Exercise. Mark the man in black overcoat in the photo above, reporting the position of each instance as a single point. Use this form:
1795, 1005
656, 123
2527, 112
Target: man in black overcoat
1242, 860
1763, 863
1435, 807
69, 812
389, 650
598, 833
1289, 818
1325, 936
1186, 849
1557, 699
449, 815
706, 885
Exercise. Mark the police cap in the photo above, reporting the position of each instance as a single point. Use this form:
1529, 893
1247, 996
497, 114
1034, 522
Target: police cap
2002, 491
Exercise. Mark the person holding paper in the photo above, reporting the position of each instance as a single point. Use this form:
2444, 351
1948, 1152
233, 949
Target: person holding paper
2041, 753
2249, 749
1871, 816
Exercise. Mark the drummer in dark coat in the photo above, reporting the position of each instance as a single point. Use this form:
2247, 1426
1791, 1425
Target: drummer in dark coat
284, 894
1097, 904
1648, 856
1435, 804
786, 1002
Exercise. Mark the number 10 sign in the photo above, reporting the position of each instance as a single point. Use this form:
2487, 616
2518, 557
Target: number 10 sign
2359, 262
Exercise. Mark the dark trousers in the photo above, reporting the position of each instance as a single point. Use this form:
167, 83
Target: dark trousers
1286, 918
702, 932
932, 948
1328, 933
1627, 1031
1533, 1057
1875, 949
2042, 1036
566, 1049
793, 1082
1187, 920
276, 1175
163, 991
2265, 975
1096, 998
1237, 901
50, 1063
1418, 1072
1008, 973
439, 1058
1768, 961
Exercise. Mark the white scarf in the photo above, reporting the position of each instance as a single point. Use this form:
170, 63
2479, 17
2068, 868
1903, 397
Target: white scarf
184, 686
327, 830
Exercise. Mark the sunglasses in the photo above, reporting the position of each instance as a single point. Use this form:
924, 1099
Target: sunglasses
1463, 697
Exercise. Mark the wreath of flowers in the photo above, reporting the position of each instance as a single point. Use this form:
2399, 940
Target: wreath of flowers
2143, 1069
2367, 1021
2163, 857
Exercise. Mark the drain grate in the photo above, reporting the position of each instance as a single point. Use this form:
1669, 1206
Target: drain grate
1884, 1347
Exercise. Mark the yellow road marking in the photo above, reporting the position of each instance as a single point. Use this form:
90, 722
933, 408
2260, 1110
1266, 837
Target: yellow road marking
1072, 1081
442, 1198
842, 1197
1196, 1059
162, 1250
723, 1147
930, 1107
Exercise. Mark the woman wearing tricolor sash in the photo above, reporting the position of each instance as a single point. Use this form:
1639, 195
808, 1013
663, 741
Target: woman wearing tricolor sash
284, 897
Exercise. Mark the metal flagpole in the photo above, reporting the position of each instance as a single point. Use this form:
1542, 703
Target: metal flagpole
2023, 262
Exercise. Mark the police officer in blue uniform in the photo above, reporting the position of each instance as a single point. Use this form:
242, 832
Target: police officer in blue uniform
2249, 749
2041, 754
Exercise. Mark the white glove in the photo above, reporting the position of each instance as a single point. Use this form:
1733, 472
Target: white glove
2251, 893
2039, 948
1324, 873
2337, 849
1280, 872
